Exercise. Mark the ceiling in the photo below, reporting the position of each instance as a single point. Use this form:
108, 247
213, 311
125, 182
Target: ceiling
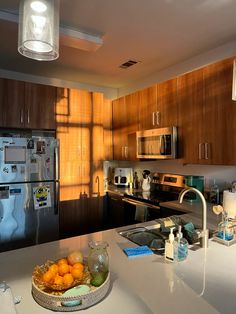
158, 33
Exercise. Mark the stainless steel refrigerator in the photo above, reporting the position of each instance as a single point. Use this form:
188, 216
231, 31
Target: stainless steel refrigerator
29, 191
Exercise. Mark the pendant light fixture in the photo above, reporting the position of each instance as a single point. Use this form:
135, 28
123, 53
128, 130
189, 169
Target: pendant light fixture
38, 32
234, 82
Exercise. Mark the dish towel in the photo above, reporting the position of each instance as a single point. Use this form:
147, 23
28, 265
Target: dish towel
140, 213
7, 302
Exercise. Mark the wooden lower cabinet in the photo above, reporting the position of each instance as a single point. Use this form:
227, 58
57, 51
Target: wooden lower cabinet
81, 216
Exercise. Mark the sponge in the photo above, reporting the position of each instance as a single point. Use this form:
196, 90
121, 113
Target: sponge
138, 251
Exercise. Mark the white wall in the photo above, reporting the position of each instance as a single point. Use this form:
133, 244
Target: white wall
223, 52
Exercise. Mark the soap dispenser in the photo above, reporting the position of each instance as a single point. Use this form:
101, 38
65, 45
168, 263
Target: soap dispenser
180, 247
169, 246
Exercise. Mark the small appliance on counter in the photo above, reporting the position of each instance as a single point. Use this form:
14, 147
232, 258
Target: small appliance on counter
196, 182
123, 176
146, 183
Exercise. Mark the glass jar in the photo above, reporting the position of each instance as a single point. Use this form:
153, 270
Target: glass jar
98, 262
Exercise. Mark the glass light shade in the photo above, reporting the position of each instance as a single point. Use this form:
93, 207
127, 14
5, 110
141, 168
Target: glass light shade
234, 82
38, 33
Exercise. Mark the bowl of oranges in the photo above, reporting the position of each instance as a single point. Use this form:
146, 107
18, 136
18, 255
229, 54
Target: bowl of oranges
60, 275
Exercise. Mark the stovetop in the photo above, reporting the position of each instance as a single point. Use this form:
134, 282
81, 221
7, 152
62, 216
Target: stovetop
153, 197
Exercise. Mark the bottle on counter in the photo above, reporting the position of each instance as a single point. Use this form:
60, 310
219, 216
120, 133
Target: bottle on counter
135, 181
214, 193
180, 247
169, 246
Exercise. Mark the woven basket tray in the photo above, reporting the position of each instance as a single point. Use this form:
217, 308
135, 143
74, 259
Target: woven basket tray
54, 301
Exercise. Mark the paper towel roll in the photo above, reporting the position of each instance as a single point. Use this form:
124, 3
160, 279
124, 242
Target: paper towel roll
229, 203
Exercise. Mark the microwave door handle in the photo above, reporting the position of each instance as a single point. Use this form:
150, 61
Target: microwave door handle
162, 145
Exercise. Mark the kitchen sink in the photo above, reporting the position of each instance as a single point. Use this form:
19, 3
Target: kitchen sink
154, 236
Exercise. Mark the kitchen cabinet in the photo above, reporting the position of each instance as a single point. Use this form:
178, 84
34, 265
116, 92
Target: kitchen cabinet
206, 115
167, 109
191, 124
115, 211
28, 105
1, 100
148, 108
219, 114
125, 125
158, 105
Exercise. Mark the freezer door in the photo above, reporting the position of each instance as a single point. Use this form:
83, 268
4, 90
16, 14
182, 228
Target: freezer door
27, 215
13, 160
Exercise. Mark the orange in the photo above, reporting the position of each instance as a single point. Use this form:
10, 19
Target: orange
62, 261
79, 266
48, 277
58, 280
70, 268
68, 279
77, 273
53, 269
63, 269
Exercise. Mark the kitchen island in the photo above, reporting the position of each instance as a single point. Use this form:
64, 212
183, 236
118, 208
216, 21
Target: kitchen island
204, 283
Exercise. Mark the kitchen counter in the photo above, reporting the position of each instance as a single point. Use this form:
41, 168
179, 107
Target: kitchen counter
204, 283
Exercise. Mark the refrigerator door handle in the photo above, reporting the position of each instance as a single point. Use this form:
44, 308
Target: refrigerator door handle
57, 198
57, 174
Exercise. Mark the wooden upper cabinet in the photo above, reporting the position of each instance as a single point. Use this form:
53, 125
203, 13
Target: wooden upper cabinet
191, 124
14, 101
39, 106
207, 115
28, 105
1, 100
120, 128
148, 108
219, 113
167, 109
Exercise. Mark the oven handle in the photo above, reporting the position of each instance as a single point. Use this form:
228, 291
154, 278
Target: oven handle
134, 202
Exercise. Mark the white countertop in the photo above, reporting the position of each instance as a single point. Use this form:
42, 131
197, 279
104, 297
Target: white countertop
204, 283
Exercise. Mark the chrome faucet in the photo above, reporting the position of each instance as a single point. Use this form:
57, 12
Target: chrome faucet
204, 234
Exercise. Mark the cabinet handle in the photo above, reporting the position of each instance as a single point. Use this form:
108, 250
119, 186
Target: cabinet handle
200, 150
158, 117
126, 152
122, 151
206, 150
28, 117
21, 116
153, 118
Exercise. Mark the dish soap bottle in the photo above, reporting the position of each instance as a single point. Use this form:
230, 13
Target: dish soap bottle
214, 193
169, 246
180, 247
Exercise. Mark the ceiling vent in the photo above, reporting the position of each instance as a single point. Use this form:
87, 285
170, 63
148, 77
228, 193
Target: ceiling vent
128, 64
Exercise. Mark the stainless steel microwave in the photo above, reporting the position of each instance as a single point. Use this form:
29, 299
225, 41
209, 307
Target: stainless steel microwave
157, 143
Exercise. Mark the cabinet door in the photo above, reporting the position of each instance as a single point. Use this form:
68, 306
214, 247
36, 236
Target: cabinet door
40, 106
120, 133
167, 109
148, 108
219, 113
1, 101
14, 99
190, 105
107, 130
132, 110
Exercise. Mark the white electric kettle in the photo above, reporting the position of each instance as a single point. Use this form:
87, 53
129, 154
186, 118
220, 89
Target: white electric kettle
146, 183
